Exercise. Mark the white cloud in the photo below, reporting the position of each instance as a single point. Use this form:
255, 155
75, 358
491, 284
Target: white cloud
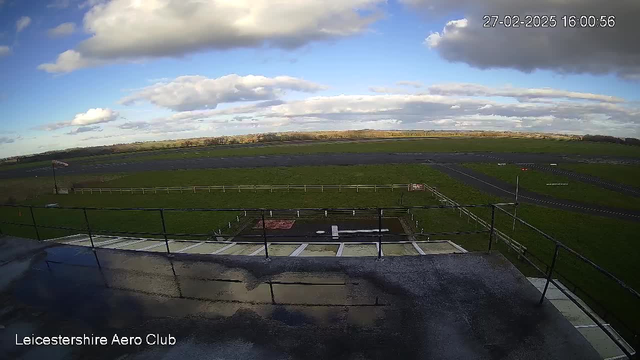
5, 51
90, 117
198, 92
464, 89
129, 30
388, 90
94, 116
563, 50
471, 111
22, 23
63, 29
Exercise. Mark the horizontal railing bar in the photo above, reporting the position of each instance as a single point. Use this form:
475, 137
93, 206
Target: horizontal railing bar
260, 209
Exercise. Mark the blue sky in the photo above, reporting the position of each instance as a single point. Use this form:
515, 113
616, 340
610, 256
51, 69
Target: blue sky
343, 61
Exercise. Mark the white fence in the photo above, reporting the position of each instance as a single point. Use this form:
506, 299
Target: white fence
519, 248
240, 188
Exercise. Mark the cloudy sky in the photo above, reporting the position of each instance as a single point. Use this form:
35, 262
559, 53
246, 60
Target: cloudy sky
95, 72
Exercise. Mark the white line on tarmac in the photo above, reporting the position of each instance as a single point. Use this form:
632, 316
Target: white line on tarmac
190, 247
222, 249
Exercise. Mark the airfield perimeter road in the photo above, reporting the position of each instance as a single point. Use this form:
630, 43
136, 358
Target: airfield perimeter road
441, 160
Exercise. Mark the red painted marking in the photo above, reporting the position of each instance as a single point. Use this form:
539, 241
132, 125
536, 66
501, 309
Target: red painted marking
275, 224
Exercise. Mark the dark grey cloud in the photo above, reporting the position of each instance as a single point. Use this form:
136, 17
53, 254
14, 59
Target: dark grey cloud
6, 140
134, 125
564, 50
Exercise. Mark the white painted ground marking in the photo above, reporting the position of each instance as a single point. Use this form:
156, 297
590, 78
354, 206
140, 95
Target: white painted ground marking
334, 232
320, 232
222, 249
378, 248
76, 241
589, 326
457, 246
340, 249
66, 237
361, 231
129, 243
102, 243
261, 249
190, 247
155, 245
417, 248
300, 249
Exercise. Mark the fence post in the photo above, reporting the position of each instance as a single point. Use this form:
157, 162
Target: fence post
553, 264
264, 236
493, 221
35, 226
86, 220
379, 233
164, 231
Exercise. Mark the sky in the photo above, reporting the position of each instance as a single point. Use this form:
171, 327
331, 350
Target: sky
76, 73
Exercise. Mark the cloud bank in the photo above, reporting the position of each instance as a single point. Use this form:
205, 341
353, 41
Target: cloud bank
198, 92
129, 30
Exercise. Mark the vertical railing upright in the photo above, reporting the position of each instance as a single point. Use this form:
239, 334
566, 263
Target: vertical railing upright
493, 222
86, 220
550, 274
35, 226
264, 236
379, 233
164, 231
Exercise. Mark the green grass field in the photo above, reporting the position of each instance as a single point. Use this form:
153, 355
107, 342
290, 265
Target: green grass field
608, 242
421, 145
535, 180
623, 174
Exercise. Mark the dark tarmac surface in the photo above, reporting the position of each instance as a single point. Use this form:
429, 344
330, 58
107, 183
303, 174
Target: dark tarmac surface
471, 306
506, 190
306, 160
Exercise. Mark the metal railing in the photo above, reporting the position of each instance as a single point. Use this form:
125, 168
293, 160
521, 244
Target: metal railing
240, 188
374, 237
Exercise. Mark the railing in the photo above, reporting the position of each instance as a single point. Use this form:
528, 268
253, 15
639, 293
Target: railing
240, 188
374, 237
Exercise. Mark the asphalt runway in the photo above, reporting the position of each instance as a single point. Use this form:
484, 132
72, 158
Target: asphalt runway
506, 190
308, 160
445, 162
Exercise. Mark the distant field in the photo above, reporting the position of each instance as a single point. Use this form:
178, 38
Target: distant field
535, 180
422, 145
623, 174
608, 242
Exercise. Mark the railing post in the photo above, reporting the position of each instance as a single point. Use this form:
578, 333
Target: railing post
35, 226
493, 222
379, 233
553, 264
264, 236
164, 231
86, 220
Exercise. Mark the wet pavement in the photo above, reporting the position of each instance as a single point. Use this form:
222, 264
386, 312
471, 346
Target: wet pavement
462, 306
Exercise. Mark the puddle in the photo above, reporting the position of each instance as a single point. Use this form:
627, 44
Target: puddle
121, 289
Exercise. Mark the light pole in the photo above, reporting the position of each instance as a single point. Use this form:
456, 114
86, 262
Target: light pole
53, 168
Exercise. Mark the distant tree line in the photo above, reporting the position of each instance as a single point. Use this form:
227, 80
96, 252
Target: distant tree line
300, 136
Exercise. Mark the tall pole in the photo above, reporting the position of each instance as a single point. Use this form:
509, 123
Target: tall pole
55, 183
379, 233
515, 209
